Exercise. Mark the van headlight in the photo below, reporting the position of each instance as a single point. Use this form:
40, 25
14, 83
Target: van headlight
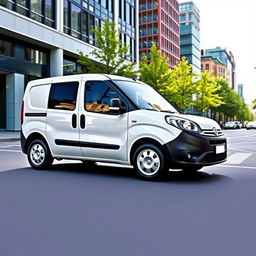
183, 124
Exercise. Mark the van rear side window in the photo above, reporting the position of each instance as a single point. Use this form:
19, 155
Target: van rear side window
39, 96
63, 96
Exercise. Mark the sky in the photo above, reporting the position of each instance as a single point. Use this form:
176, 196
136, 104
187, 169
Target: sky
231, 24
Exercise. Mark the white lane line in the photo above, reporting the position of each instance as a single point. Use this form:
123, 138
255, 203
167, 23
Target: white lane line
238, 158
241, 150
9, 146
242, 143
237, 166
9, 150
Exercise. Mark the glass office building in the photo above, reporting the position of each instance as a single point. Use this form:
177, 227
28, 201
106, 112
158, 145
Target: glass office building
190, 35
226, 58
42, 38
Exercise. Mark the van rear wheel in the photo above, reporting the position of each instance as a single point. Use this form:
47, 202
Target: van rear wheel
149, 162
39, 155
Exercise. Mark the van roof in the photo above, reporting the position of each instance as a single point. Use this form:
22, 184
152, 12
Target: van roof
77, 77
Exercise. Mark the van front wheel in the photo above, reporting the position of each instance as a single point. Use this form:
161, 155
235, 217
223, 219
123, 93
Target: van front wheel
149, 162
39, 155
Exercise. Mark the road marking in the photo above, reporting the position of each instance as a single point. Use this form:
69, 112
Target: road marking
241, 150
238, 158
237, 166
9, 150
248, 142
9, 146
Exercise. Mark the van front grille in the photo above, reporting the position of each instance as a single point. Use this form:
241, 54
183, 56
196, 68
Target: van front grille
212, 133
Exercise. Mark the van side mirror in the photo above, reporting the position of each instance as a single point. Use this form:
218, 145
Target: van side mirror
115, 105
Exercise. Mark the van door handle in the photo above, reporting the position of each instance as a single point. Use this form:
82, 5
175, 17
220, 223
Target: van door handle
74, 121
82, 121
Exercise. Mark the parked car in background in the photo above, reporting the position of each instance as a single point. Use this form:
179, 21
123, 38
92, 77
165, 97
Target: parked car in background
233, 125
251, 125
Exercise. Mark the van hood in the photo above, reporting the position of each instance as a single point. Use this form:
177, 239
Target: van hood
203, 122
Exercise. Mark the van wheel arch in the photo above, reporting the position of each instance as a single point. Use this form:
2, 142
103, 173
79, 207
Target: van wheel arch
35, 136
142, 141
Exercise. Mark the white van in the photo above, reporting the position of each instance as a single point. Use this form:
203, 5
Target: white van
106, 118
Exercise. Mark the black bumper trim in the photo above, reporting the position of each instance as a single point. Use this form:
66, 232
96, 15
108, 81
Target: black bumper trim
195, 150
23, 142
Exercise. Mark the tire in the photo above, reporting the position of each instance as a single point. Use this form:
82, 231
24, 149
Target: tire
149, 162
39, 155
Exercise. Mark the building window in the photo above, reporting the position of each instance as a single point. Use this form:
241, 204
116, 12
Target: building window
81, 16
39, 10
66, 17
207, 66
7, 3
35, 56
70, 66
36, 10
85, 26
49, 12
22, 7
75, 21
6, 48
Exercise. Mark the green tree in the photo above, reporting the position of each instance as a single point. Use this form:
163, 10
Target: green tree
155, 71
110, 53
207, 93
243, 113
181, 86
254, 104
225, 93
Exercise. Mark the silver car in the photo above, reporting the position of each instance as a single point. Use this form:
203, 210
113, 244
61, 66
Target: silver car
233, 125
251, 125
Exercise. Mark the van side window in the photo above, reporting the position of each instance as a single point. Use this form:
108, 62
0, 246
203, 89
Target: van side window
63, 96
97, 96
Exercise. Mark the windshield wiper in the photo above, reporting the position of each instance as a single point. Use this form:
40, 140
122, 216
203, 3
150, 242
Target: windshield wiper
169, 111
151, 109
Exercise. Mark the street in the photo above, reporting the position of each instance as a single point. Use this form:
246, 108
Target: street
107, 210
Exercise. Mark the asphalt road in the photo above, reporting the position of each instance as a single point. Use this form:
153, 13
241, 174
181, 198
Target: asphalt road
71, 210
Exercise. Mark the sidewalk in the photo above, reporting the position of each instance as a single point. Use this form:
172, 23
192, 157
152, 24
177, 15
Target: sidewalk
9, 136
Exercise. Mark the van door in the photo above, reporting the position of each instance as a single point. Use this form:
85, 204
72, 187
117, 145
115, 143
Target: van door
103, 134
62, 119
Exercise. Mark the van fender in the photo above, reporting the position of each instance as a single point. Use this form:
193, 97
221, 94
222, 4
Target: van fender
152, 132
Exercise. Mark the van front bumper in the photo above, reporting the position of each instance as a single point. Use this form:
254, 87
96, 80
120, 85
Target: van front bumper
195, 150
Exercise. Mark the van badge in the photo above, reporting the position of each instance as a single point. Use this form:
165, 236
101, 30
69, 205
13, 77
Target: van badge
215, 131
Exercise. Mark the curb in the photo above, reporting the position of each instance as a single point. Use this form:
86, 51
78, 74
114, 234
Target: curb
9, 139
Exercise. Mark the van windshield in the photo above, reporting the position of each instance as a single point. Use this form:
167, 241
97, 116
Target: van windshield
145, 97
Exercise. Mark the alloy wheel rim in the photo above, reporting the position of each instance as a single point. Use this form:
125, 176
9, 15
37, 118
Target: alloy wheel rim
148, 162
37, 154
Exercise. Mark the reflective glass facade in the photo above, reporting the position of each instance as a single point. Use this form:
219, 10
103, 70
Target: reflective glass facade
22, 57
81, 16
218, 53
42, 11
126, 26
190, 35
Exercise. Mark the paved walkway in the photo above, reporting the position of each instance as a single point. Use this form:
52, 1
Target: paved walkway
9, 136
